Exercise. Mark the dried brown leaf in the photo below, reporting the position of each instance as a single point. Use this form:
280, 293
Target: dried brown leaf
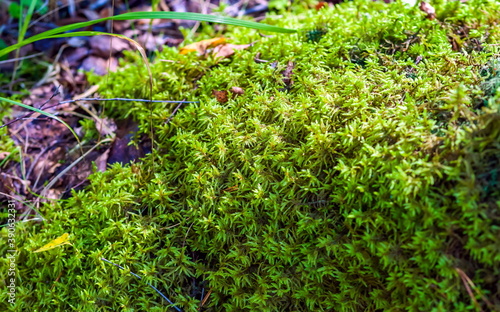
237, 90
221, 96
228, 49
429, 9
102, 45
202, 46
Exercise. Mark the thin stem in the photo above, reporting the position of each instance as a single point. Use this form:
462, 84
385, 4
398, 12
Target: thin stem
159, 292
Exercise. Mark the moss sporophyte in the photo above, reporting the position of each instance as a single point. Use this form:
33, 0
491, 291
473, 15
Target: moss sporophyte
341, 183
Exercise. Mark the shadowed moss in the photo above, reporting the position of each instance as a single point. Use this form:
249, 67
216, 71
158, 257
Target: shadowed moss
363, 185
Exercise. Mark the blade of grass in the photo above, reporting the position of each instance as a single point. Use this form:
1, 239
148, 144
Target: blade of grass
23, 27
43, 113
150, 15
26, 20
25, 213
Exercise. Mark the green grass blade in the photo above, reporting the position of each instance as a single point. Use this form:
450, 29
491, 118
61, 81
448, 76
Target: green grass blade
151, 15
41, 112
26, 20
203, 18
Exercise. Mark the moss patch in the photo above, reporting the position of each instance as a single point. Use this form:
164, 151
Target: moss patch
362, 183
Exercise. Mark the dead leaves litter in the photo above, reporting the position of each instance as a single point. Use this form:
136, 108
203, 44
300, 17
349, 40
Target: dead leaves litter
202, 46
228, 49
218, 47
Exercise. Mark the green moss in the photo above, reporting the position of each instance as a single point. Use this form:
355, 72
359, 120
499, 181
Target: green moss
357, 188
7, 148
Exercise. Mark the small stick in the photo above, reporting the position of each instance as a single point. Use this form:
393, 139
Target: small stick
159, 292
173, 113
125, 99
32, 112
21, 58
205, 299
468, 283
185, 236
99, 99
57, 279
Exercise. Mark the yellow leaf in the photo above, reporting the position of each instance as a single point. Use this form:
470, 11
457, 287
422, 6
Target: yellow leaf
61, 240
202, 46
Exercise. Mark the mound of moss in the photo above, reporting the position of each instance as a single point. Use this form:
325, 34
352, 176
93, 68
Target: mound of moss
357, 172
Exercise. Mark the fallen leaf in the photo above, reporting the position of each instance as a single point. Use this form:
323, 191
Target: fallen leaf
77, 42
103, 46
221, 96
151, 42
105, 126
58, 242
74, 56
321, 5
54, 194
237, 90
101, 161
202, 46
429, 9
258, 60
90, 14
88, 93
99, 65
287, 74
228, 49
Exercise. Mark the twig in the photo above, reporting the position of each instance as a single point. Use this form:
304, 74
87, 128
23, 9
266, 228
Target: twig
468, 283
173, 113
99, 99
159, 292
21, 58
57, 279
205, 299
185, 237
32, 112
125, 99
